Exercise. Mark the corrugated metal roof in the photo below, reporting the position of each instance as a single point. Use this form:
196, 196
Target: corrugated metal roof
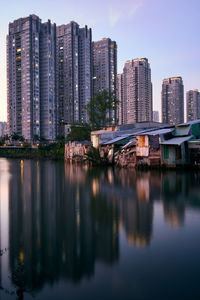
177, 141
158, 131
182, 130
121, 136
117, 139
129, 144
197, 141
190, 123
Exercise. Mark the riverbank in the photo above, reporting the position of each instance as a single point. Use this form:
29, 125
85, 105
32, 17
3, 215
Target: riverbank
52, 151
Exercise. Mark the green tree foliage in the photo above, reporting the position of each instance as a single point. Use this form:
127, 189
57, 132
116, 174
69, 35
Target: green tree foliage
3, 139
99, 108
94, 157
36, 138
16, 137
79, 132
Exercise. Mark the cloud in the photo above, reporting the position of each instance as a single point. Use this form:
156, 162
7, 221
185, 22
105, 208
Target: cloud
121, 10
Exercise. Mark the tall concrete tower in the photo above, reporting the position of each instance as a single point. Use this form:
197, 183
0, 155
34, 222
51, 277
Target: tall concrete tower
105, 71
173, 100
120, 98
74, 73
30, 78
137, 91
193, 105
48, 103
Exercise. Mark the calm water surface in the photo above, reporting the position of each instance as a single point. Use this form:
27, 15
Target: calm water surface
68, 232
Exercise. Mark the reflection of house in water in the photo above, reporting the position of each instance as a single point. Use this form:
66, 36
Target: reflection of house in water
173, 191
174, 214
57, 228
143, 188
139, 214
179, 190
137, 217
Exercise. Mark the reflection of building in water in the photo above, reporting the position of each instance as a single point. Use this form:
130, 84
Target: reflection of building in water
58, 227
131, 193
126, 178
101, 213
174, 196
174, 213
148, 185
95, 186
64, 218
105, 223
137, 219
74, 174
143, 189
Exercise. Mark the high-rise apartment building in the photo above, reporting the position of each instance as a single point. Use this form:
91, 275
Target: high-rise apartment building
120, 99
136, 101
74, 73
156, 116
173, 100
30, 78
105, 71
3, 129
23, 77
48, 103
193, 105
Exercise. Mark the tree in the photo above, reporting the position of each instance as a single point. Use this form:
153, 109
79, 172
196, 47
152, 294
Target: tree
17, 137
36, 138
79, 132
94, 157
3, 139
60, 138
100, 108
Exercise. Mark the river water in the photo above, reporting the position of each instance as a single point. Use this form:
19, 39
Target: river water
69, 232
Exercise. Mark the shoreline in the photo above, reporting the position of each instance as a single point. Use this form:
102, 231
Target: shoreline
45, 155
139, 167
31, 153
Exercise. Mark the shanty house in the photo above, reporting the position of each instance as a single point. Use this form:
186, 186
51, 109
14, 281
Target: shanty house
194, 150
148, 146
176, 151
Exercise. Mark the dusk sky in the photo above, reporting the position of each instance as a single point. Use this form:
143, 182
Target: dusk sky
166, 32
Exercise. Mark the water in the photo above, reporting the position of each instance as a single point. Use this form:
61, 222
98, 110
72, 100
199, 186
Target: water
73, 233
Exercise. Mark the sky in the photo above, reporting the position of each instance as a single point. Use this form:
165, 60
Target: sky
165, 31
